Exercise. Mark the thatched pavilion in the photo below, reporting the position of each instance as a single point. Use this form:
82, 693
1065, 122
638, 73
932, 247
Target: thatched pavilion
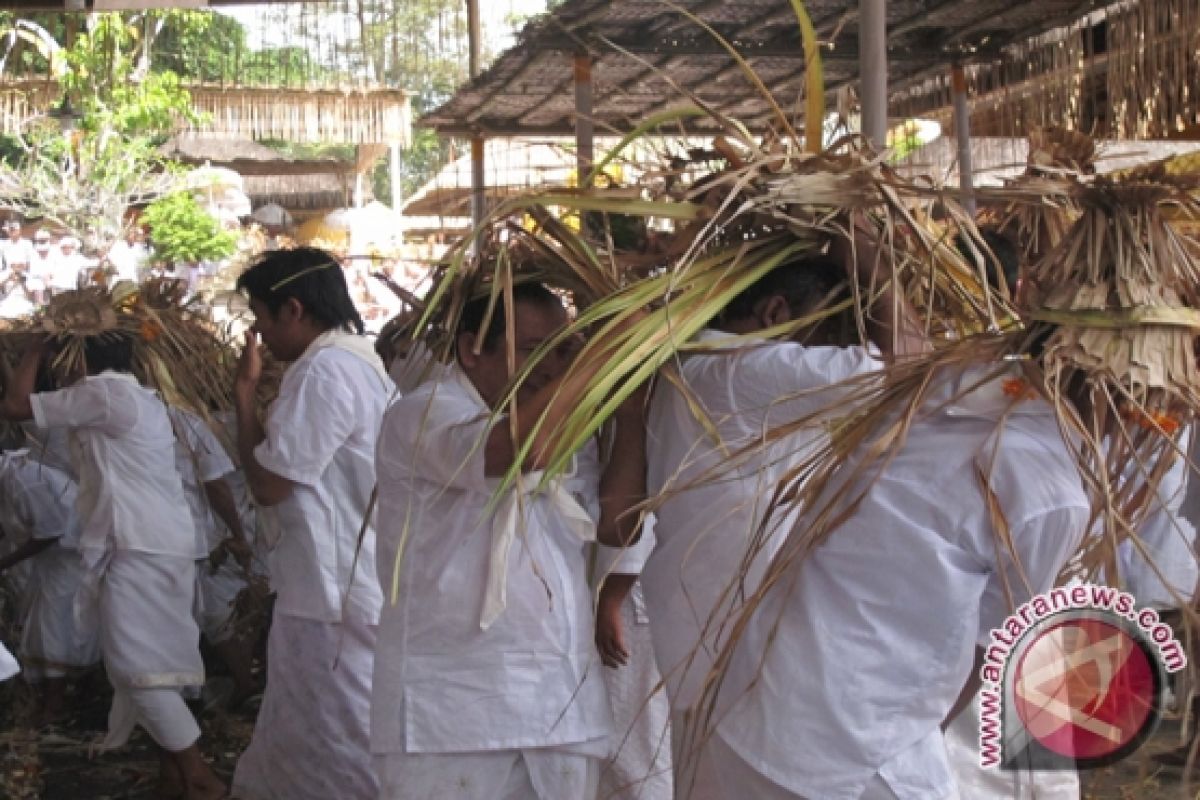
306, 187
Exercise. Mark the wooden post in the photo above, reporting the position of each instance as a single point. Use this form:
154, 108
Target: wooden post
585, 128
873, 70
397, 188
474, 67
962, 132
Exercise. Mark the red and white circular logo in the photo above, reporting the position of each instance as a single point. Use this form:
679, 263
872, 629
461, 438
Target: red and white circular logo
1087, 689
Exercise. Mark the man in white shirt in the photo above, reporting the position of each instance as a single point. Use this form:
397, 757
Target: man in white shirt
70, 267
42, 263
487, 681
205, 466
129, 256
312, 469
856, 653
37, 506
714, 538
16, 249
137, 542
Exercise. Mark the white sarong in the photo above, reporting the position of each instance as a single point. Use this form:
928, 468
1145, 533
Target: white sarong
150, 644
55, 640
311, 740
216, 593
543, 773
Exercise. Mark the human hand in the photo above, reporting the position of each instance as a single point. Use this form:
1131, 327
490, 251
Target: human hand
610, 632
233, 546
250, 367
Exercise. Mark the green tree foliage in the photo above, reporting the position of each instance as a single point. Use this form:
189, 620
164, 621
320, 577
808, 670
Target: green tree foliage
109, 81
85, 170
182, 232
198, 45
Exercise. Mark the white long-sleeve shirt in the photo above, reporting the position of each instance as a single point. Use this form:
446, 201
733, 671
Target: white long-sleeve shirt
855, 656
130, 494
716, 497
443, 682
200, 459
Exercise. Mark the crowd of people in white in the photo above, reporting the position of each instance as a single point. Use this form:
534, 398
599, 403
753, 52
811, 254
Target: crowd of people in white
441, 644
34, 270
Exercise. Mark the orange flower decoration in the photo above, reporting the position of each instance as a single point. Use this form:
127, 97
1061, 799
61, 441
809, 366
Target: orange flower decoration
1018, 389
1152, 420
150, 330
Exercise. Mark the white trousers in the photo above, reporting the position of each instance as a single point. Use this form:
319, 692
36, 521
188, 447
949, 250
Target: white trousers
161, 712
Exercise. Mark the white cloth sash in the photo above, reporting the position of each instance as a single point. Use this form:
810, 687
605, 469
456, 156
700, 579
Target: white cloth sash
507, 522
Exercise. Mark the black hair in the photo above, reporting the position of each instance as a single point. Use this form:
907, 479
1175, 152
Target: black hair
1007, 256
108, 352
310, 275
802, 283
474, 311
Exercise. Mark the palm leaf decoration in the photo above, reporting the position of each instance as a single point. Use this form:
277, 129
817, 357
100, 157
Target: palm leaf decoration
177, 349
1104, 336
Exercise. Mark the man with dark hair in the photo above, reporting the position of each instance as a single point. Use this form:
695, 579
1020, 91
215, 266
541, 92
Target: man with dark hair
312, 472
310, 276
136, 542
713, 521
487, 683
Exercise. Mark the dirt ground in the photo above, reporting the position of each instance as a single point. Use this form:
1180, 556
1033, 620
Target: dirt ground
54, 764
1138, 777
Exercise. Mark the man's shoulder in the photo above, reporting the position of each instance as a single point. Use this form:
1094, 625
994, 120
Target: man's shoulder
445, 392
332, 363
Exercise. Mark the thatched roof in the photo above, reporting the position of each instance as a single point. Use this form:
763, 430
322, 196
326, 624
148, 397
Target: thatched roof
645, 52
511, 167
304, 192
248, 158
345, 116
1127, 71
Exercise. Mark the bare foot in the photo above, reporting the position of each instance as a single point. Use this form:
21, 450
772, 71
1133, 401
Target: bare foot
214, 790
170, 779
200, 782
